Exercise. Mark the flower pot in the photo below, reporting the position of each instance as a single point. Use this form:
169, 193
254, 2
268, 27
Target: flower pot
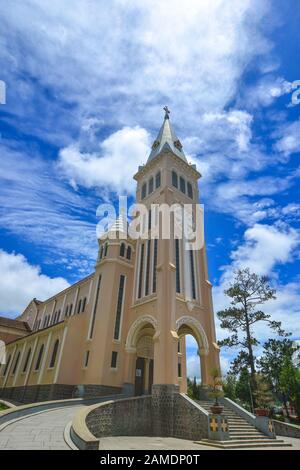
216, 409
261, 412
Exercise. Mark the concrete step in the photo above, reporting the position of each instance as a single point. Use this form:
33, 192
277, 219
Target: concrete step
247, 437
251, 444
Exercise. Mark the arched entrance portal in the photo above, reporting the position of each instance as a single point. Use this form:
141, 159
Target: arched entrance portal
144, 362
188, 327
140, 355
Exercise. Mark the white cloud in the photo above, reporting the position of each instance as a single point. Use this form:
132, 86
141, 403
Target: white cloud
37, 207
288, 138
21, 282
114, 164
120, 61
265, 91
265, 246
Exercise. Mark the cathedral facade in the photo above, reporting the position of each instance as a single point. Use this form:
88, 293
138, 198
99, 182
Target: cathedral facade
122, 329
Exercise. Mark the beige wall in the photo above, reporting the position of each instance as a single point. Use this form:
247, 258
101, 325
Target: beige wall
161, 310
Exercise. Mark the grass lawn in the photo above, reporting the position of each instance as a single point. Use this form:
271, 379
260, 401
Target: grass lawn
2, 407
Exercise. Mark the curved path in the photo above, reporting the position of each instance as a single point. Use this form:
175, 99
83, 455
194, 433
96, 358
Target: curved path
41, 431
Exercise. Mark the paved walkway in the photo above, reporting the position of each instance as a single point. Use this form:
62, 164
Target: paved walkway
170, 443
45, 431
41, 431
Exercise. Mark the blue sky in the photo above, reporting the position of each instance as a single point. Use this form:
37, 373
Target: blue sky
86, 82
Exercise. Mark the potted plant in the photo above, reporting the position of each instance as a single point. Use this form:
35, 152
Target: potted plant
263, 396
216, 391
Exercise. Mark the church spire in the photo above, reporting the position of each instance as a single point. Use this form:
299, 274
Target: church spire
166, 140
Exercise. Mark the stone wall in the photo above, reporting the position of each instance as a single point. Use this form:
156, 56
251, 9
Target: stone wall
166, 414
286, 429
126, 417
38, 393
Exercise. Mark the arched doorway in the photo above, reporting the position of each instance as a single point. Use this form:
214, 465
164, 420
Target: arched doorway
140, 355
191, 333
144, 362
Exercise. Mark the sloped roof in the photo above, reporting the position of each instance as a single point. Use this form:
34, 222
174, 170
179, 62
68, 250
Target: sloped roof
166, 140
16, 324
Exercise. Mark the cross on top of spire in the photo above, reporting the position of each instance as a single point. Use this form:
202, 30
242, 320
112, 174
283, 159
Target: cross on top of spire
167, 112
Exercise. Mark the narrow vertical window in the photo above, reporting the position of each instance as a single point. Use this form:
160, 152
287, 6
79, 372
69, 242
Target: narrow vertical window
27, 360
148, 267
95, 306
141, 272
177, 264
179, 369
192, 274
114, 357
83, 305
54, 353
150, 185
105, 249
174, 179
154, 265
86, 360
70, 311
67, 311
122, 249
190, 190
16, 363
119, 307
128, 254
144, 190
38, 362
79, 306
157, 180
149, 219
182, 185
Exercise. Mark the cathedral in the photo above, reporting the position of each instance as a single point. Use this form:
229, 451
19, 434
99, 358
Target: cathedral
121, 329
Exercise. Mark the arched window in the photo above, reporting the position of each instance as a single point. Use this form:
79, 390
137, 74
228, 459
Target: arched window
83, 305
182, 185
16, 363
150, 185
174, 179
54, 353
190, 190
105, 249
157, 180
79, 306
144, 191
7, 365
122, 249
38, 362
128, 254
27, 360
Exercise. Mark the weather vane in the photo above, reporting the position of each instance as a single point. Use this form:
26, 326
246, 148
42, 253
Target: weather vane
167, 112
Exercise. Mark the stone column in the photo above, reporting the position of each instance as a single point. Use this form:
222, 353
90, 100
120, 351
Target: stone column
129, 372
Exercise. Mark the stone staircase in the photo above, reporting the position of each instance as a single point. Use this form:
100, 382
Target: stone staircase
242, 434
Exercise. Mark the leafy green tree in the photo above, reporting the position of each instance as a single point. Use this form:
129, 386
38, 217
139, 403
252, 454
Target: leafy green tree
229, 386
289, 383
247, 292
243, 388
262, 393
275, 353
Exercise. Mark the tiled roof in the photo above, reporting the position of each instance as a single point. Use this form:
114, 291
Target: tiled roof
16, 324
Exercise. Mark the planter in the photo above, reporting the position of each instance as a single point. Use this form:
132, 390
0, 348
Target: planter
216, 409
261, 412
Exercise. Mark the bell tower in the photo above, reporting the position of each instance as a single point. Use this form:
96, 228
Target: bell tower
172, 293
